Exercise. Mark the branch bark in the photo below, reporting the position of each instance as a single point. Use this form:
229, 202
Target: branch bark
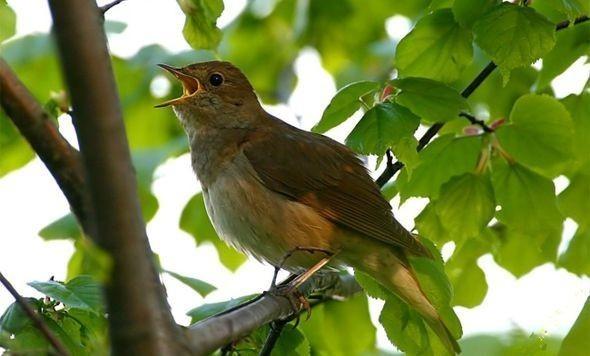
139, 316
60, 158
392, 168
37, 321
210, 334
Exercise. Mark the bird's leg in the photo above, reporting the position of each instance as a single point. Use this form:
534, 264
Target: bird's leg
289, 288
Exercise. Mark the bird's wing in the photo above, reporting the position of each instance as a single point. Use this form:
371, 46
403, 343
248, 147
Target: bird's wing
327, 176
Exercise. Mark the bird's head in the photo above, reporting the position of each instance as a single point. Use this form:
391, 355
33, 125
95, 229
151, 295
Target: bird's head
215, 94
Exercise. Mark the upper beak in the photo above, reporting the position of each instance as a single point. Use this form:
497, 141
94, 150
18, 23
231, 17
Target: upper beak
190, 85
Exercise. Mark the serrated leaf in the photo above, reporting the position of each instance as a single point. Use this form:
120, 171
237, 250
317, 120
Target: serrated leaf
571, 43
577, 342
431, 100
14, 318
356, 333
442, 159
514, 36
8, 23
539, 134
201, 287
468, 11
465, 205
200, 26
574, 201
206, 310
404, 327
576, 258
383, 126
195, 221
437, 48
560, 9
373, 288
81, 292
519, 252
579, 109
291, 343
527, 199
406, 152
429, 225
345, 103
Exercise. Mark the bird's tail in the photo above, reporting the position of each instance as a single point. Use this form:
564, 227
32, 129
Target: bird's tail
398, 278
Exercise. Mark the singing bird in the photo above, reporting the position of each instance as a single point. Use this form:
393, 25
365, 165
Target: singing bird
270, 188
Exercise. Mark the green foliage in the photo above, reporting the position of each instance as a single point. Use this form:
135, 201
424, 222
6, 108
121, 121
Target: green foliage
576, 258
467, 12
576, 342
514, 36
468, 279
80, 292
437, 48
206, 310
201, 287
200, 30
345, 103
382, 126
429, 99
195, 221
8, 24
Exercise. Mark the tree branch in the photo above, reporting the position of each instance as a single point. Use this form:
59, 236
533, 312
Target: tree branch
276, 328
108, 6
37, 321
475, 121
139, 316
212, 333
60, 158
391, 170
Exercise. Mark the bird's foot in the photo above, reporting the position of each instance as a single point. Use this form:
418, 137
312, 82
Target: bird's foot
297, 300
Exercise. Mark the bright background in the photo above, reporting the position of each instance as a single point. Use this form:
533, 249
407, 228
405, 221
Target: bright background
545, 301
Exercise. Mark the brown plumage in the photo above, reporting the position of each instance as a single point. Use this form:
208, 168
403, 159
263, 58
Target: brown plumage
270, 187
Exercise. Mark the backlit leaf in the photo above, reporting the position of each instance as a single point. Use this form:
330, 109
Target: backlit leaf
200, 27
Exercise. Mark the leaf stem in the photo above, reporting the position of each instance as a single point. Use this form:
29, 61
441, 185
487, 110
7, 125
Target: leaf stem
37, 321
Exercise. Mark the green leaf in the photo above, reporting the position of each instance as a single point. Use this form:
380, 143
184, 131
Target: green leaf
404, 327
468, 11
514, 36
579, 108
291, 343
406, 152
206, 310
200, 27
539, 134
195, 221
468, 279
574, 202
201, 287
437, 48
8, 23
14, 318
429, 99
527, 199
519, 252
65, 227
356, 333
558, 9
89, 259
465, 205
577, 342
81, 292
373, 288
571, 44
442, 159
576, 258
381, 127
345, 103
429, 225
15, 150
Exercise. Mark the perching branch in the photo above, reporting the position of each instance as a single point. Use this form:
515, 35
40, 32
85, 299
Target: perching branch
475, 121
139, 316
210, 334
392, 169
37, 321
60, 158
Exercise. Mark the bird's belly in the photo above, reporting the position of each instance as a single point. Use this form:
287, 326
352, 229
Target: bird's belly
265, 224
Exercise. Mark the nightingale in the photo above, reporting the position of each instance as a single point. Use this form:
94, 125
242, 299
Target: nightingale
270, 188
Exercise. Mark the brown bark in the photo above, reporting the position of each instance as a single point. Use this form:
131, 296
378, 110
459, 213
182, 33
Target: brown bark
139, 316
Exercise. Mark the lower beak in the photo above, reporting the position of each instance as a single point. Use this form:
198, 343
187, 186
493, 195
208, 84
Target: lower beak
190, 85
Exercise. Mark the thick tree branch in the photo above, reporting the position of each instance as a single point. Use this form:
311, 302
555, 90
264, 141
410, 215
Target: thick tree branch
139, 316
393, 168
37, 321
61, 159
210, 334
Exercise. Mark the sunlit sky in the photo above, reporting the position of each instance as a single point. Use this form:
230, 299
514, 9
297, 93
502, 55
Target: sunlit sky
545, 301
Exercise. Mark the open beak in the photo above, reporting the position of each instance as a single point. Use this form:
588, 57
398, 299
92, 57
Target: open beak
190, 85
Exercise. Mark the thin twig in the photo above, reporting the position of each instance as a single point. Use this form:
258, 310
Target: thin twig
108, 6
37, 321
391, 170
476, 121
276, 327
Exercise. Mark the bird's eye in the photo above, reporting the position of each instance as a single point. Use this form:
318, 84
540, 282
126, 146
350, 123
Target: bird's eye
216, 79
